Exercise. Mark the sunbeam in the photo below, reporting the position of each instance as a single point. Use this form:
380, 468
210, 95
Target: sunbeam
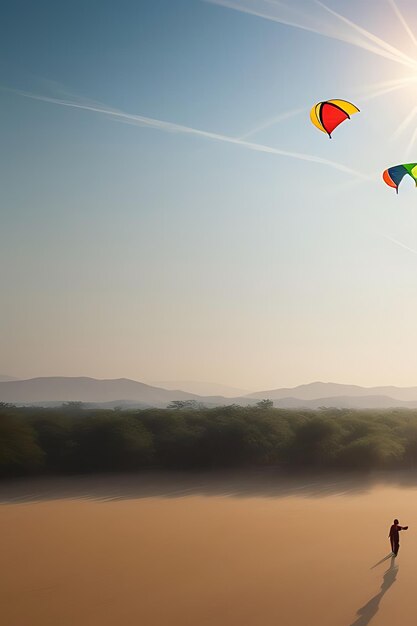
411, 143
405, 123
399, 243
403, 22
383, 84
272, 121
368, 35
380, 47
379, 89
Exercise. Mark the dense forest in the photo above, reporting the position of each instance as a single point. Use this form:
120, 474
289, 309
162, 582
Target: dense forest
75, 439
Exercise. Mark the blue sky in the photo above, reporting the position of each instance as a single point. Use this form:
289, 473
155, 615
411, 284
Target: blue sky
131, 248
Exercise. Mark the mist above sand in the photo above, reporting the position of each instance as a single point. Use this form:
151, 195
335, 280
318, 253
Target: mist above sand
224, 550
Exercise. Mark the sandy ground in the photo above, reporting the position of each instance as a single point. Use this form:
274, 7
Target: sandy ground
176, 551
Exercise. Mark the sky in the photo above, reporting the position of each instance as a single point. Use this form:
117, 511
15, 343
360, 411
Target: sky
168, 212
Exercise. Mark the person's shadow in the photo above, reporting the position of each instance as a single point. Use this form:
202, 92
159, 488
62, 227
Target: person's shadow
367, 612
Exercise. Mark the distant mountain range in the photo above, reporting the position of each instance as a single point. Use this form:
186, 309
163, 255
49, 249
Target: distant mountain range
316, 390
202, 388
4, 378
58, 389
55, 390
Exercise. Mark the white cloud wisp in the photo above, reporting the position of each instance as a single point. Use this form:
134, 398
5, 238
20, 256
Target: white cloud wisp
140, 120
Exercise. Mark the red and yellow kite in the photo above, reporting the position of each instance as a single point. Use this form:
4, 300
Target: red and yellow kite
327, 115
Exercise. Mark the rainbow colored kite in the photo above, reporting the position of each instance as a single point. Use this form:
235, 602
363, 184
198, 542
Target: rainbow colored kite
394, 175
327, 115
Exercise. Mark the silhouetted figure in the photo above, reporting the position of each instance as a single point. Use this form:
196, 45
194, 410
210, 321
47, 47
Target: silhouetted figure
394, 536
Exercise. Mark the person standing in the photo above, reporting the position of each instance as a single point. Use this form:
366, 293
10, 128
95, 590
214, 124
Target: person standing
394, 536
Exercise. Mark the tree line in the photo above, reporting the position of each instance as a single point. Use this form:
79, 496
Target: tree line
73, 439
